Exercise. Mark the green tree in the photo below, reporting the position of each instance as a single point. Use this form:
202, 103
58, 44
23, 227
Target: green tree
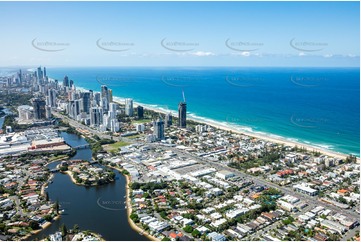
48, 217
2, 227
196, 233
63, 230
134, 217
76, 228
34, 225
188, 229
56, 207
163, 214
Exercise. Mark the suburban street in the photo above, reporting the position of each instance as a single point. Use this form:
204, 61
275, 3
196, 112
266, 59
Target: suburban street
219, 166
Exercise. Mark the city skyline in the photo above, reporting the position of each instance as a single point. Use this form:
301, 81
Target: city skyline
180, 121
214, 169
222, 34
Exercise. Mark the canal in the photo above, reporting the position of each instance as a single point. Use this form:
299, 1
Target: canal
2, 119
100, 209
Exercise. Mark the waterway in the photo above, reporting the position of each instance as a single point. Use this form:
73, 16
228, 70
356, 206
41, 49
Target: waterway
100, 209
2, 119
2, 122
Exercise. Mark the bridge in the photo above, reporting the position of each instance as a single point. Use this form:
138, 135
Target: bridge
80, 147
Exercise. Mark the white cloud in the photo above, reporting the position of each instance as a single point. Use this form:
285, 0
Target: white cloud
203, 53
328, 55
243, 53
302, 54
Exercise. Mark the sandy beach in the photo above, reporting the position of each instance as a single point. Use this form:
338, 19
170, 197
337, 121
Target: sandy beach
129, 209
42, 192
239, 130
72, 178
265, 137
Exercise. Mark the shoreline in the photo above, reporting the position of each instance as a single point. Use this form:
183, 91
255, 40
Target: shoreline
238, 130
71, 177
46, 224
130, 209
235, 128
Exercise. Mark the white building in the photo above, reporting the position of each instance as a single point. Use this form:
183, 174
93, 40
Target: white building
224, 174
26, 113
139, 127
129, 107
305, 189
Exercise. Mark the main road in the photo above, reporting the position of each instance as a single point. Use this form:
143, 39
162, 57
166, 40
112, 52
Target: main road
311, 200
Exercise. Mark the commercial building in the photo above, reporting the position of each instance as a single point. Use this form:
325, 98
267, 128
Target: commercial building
39, 108
224, 174
305, 189
159, 129
140, 112
334, 226
26, 113
129, 107
182, 115
168, 120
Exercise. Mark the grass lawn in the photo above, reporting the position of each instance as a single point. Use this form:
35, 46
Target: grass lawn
115, 146
134, 136
60, 157
141, 121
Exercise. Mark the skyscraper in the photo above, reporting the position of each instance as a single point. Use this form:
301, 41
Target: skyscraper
110, 95
66, 81
86, 102
48, 112
40, 75
182, 115
140, 112
51, 98
20, 77
112, 110
168, 120
129, 107
104, 96
77, 107
39, 108
159, 129
96, 116
97, 98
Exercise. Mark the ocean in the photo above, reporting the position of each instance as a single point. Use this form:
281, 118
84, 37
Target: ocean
316, 106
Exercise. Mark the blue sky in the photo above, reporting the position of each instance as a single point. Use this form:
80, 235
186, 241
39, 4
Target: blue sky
193, 33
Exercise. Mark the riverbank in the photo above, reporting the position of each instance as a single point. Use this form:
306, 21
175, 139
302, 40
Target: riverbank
46, 224
97, 180
69, 173
42, 192
43, 227
130, 209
